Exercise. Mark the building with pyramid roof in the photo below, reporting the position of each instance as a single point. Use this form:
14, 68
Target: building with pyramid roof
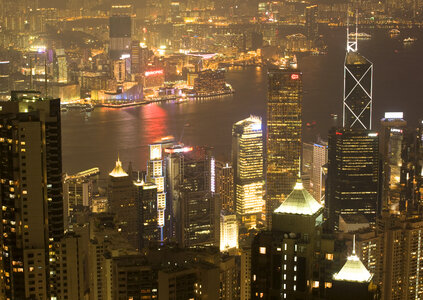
353, 281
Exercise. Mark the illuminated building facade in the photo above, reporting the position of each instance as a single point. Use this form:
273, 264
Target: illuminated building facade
120, 34
146, 206
284, 112
393, 253
199, 208
358, 92
225, 185
247, 155
122, 202
228, 231
209, 81
353, 174
284, 264
311, 25
156, 173
390, 147
31, 194
320, 158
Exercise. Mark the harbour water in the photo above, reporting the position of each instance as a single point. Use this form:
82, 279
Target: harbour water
94, 139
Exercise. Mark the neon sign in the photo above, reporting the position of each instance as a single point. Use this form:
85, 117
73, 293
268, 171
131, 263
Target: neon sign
154, 72
294, 76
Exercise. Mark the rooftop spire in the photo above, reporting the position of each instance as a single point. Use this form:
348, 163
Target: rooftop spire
118, 170
352, 43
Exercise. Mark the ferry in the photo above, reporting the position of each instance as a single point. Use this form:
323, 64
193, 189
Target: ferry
409, 40
360, 36
394, 32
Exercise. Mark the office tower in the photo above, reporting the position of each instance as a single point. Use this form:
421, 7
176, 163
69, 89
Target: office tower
353, 151
225, 185
353, 174
62, 66
320, 158
136, 56
411, 177
120, 25
156, 173
284, 263
31, 194
121, 199
284, 110
247, 156
353, 281
390, 147
358, 91
228, 231
146, 205
311, 26
199, 206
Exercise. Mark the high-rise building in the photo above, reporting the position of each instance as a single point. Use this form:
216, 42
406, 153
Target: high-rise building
353, 175
311, 25
283, 145
199, 205
120, 25
320, 158
31, 194
247, 155
284, 263
358, 92
353, 151
156, 173
228, 231
393, 253
390, 147
146, 206
225, 185
121, 197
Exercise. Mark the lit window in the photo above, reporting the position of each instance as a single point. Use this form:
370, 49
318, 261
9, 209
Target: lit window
262, 250
329, 256
328, 285
315, 284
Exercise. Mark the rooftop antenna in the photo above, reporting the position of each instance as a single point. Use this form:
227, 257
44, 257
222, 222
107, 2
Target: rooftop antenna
352, 43
353, 250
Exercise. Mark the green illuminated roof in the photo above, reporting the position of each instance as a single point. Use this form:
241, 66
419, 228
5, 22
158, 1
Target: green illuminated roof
353, 270
299, 202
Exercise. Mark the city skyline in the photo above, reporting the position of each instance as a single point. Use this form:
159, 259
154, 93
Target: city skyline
210, 150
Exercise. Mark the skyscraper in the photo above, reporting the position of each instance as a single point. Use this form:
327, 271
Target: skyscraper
311, 25
320, 158
390, 147
284, 112
31, 194
121, 197
358, 92
247, 155
353, 174
353, 151
225, 185
120, 25
199, 206
146, 206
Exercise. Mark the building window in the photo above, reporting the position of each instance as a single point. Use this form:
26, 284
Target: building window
262, 250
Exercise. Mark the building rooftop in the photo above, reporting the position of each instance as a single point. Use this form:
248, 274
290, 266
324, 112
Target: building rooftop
354, 58
353, 270
118, 170
300, 202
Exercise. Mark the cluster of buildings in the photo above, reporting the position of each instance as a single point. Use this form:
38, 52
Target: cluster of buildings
283, 219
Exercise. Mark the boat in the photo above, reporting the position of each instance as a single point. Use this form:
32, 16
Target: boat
394, 32
360, 36
409, 40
